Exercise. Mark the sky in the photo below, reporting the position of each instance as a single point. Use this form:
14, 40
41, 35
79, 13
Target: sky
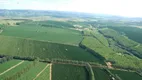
128, 8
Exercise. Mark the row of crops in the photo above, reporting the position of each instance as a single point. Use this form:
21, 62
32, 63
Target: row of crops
109, 48
34, 70
26, 70
32, 48
70, 72
37, 32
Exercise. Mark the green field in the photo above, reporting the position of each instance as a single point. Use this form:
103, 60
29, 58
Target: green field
69, 72
51, 34
6, 65
100, 74
131, 32
123, 41
127, 75
14, 71
45, 75
31, 73
33, 48
118, 59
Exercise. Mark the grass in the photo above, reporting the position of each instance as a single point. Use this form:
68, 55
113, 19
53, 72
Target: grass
24, 47
7, 65
127, 75
69, 72
52, 34
31, 74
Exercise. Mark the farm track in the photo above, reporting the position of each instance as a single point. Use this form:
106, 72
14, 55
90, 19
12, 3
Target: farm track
41, 72
50, 72
11, 68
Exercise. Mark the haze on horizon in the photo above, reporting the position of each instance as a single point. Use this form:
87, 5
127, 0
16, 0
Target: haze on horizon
128, 8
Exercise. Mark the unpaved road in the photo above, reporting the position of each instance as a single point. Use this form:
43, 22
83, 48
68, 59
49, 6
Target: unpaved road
50, 72
11, 68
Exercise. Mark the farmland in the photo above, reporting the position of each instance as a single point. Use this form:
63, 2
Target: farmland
127, 75
75, 72
52, 45
100, 74
130, 32
26, 70
8, 64
45, 75
32, 73
52, 34
33, 48
123, 60
13, 72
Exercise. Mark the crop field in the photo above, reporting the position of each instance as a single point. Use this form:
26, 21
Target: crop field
33, 48
14, 71
132, 32
123, 41
51, 34
33, 72
127, 75
6, 65
45, 75
99, 74
110, 55
69, 72
26, 70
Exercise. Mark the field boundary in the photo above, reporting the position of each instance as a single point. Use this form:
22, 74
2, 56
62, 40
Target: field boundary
41, 71
11, 68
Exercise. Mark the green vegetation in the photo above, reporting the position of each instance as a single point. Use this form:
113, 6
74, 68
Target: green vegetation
131, 32
6, 65
127, 75
45, 75
90, 71
33, 48
123, 42
31, 73
100, 74
69, 72
77, 45
51, 34
117, 59
12, 74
